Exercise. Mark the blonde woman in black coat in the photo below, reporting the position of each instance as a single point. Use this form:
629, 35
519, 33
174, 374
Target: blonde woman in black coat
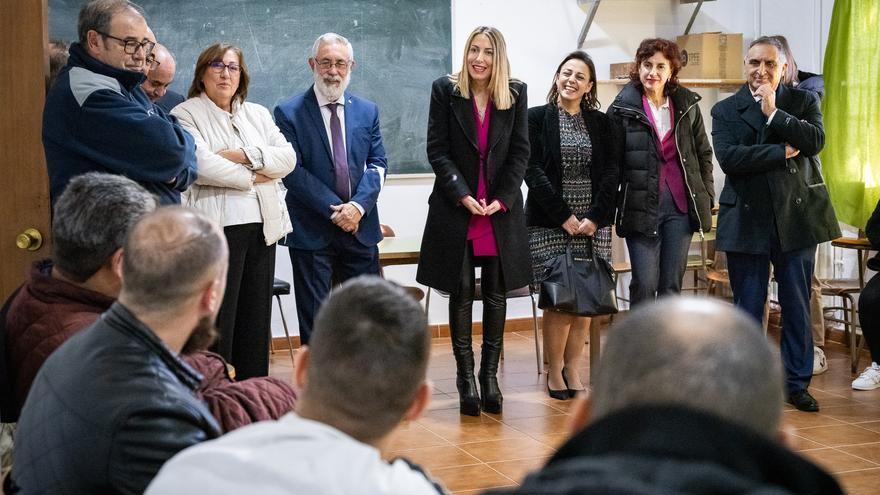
572, 178
478, 146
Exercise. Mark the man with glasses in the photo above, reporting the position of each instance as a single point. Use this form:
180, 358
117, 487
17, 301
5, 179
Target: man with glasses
96, 118
161, 67
332, 192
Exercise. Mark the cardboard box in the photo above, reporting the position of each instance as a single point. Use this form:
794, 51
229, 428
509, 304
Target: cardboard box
711, 56
621, 70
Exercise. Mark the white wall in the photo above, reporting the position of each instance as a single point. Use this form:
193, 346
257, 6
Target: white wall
540, 33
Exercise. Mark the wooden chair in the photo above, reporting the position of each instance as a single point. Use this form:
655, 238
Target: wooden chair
281, 288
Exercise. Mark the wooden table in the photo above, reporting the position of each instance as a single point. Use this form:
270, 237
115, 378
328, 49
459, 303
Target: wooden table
402, 250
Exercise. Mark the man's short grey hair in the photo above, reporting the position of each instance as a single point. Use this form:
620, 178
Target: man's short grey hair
98, 14
693, 353
368, 357
332, 38
772, 41
171, 255
91, 219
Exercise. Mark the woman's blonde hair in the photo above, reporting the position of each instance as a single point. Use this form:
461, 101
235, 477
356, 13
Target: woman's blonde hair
499, 80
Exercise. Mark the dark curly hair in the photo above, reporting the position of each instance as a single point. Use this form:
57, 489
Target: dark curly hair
590, 100
647, 49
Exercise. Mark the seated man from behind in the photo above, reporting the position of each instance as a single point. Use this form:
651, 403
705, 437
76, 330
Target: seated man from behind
688, 400
363, 373
68, 293
114, 402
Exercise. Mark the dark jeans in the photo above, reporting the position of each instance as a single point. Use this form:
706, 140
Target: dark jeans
245, 317
658, 261
793, 271
869, 316
344, 258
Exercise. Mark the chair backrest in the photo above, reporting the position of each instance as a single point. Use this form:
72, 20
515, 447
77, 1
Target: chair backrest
8, 411
386, 230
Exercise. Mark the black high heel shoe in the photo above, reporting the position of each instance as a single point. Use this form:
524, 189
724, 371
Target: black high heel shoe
558, 394
571, 392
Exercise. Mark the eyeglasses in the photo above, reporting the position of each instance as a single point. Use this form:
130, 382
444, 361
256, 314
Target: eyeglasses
130, 46
218, 66
339, 64
152, 63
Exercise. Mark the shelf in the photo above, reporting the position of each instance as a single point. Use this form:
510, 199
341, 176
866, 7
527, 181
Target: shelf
726, 85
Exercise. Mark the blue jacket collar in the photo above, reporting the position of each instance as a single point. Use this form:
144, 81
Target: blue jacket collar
79, 57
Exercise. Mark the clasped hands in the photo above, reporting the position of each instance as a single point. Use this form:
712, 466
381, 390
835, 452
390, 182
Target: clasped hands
239, 156
346, 216
480, 207
573, 226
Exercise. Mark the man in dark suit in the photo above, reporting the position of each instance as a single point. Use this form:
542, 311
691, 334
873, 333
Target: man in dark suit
774, 207
340, 170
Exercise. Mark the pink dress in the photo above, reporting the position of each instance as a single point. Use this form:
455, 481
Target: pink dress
480, 230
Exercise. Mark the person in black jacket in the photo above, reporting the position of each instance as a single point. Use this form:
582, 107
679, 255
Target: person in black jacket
869, 310
478, 146
667, 189
774, 207
572, 177
115, 401
660, 419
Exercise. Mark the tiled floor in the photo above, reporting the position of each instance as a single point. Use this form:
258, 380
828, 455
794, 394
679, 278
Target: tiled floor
471, 454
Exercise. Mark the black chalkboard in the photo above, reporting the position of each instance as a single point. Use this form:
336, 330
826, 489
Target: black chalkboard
400, 47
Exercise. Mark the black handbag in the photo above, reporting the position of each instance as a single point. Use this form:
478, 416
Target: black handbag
585, 287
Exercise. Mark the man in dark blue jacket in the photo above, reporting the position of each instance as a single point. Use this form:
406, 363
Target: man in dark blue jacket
774, 207
97, 118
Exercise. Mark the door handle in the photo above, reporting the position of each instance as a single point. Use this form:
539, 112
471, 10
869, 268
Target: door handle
31, 239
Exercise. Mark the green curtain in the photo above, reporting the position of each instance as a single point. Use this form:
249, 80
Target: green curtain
851, 107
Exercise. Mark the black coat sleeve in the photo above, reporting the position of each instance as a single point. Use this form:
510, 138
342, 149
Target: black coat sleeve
541, 189
872, 229
606, 176
704, 153
805, 133
448, 177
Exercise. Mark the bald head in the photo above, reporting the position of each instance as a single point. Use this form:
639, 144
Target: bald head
171, 256
160, 77
694, 353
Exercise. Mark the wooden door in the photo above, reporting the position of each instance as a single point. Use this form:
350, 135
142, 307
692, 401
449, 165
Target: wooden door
24, 194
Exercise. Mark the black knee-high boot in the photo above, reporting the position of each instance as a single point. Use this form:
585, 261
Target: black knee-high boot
460, 329
494, 316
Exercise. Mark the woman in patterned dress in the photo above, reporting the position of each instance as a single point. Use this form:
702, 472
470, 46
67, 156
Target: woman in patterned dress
572, 178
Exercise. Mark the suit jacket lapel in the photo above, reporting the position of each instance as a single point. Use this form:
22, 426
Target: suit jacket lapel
318, 120
464, 113
750, 111
498, 125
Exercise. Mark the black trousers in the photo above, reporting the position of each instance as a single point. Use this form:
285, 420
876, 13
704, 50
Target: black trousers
245, 316
493, 295
869, 316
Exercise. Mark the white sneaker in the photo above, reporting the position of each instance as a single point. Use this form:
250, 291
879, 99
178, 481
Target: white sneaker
820, 364
869, 379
